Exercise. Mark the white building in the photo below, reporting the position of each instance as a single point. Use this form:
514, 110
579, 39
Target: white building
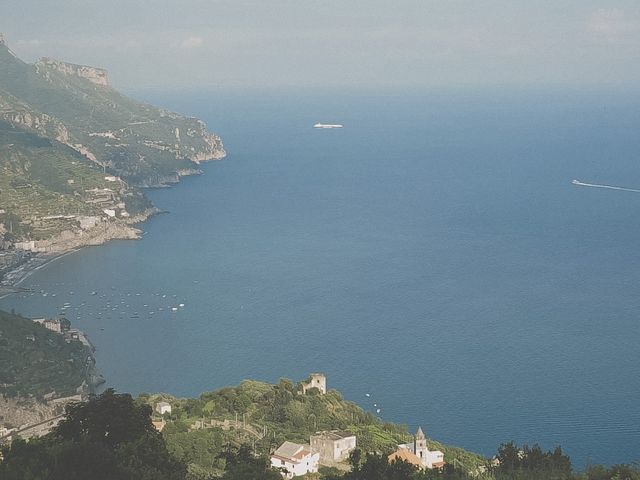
5, 432
88, 222
30, 245
163, 407
110, 212
50, 324
428, 458
295, 459
316, 380
333, 446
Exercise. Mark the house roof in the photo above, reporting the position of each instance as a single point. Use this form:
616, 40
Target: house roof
293, 452
405, 455
334, 435
158, 424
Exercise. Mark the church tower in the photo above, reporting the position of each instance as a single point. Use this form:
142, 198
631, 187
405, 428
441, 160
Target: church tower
420, 445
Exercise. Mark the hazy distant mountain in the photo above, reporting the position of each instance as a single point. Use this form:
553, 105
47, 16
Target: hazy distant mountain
65, 133
76, 105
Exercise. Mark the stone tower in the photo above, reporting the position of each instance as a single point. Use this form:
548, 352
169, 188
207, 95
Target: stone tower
317, 380
420, 445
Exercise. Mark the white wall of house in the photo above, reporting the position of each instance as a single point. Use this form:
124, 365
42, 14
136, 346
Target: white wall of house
307, 464
343, 447
431, 457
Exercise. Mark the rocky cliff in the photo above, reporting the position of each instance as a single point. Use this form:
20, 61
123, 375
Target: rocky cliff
75, 105
97, 76
73, 147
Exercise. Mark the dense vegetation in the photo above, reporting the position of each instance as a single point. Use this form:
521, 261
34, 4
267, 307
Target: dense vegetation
111, 437
35, 361
270, 414
515, 463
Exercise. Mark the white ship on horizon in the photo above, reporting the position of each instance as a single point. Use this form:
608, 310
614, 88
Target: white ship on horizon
327, 125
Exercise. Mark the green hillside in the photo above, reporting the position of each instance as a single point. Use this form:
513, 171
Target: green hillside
35, 361
270, 414
72, 147
41, 178
111, 437
139, 142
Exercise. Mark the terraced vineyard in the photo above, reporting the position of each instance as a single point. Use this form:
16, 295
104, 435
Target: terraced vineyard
40, 179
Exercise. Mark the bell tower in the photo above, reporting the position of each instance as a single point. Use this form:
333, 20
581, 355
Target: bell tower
420, 445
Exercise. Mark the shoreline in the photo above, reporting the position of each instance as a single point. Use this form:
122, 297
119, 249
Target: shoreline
11, 280
10, 284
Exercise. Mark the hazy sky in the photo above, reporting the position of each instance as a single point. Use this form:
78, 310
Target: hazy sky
355, 43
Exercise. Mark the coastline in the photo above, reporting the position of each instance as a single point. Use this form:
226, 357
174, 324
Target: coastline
12, 279
10, 283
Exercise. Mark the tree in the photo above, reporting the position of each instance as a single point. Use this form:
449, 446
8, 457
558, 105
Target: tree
531, 463
241, 464
109, 437
355, 459
65, 324
401, 470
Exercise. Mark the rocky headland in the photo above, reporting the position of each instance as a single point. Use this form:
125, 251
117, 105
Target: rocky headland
75, 156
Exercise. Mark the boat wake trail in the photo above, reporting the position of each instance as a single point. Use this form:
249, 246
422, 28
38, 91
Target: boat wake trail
609, 187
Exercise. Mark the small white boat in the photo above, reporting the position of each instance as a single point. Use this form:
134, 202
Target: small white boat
328, 125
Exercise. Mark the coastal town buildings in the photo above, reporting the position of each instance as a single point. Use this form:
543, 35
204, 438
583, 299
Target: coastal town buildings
29, 245
50, 324
75, 334
163, 407
316, 380
333, 446
88, 222
294, 459
418, 450
5, 431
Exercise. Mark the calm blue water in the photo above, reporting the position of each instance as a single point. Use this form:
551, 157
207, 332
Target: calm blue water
432, 253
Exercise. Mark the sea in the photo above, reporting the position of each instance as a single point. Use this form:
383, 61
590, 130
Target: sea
433, 258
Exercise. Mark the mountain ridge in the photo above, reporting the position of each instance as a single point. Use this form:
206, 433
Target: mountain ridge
72, 148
